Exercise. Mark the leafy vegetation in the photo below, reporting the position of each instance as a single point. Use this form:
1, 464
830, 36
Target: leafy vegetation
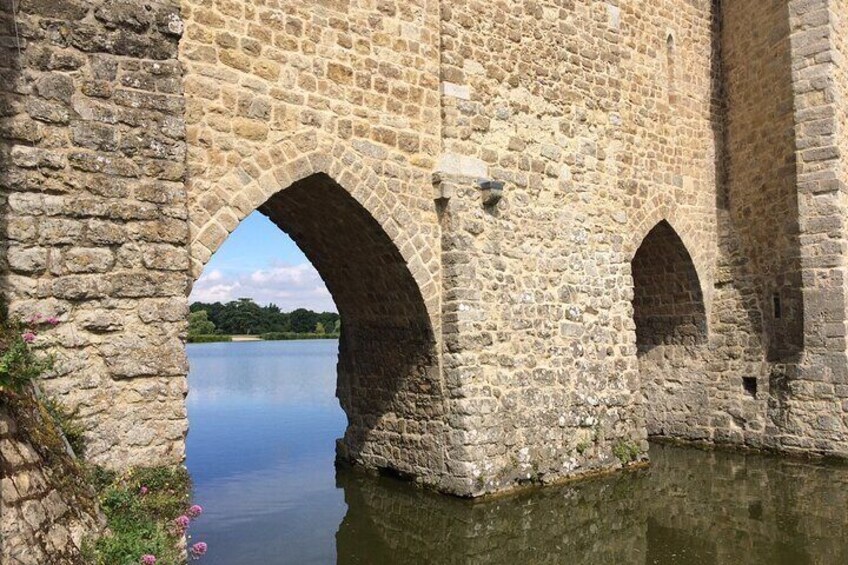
141, 507
282, 336
626, 451
245, 317
205, 338
19, 365
73, 431
200, 324
146, 509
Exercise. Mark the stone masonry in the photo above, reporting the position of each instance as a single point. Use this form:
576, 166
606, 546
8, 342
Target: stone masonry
668, 256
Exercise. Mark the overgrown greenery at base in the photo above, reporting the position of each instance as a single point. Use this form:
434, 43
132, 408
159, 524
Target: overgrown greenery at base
140, 507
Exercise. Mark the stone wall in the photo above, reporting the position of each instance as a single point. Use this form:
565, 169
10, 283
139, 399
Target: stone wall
46, 508
597, 118
325, 117
813, 415
484, 344
94, 213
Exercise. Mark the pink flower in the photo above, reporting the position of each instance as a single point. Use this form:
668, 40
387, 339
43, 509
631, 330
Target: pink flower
199, 549
35, 318
143, 490
148, 559
182, 522
53, 321
28, 336
195, 510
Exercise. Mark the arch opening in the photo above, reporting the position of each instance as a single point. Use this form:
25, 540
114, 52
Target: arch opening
388, 382
671, 332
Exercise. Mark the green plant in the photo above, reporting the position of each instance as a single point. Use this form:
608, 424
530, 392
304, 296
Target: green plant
73, 431
140, 507
208, 338
582, 447
19, 365
626, 451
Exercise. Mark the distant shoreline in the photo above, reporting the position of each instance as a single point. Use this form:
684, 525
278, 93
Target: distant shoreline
275, 336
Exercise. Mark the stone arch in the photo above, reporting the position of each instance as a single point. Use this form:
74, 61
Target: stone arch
259, 177
388, 372
668, 303
691, 231
670, 322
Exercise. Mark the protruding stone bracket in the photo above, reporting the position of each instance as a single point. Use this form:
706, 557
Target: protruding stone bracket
442, 191
491, 191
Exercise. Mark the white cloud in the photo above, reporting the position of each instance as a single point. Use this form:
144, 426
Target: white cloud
287, 286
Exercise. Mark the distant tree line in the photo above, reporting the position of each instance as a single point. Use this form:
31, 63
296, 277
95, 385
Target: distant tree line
245, 317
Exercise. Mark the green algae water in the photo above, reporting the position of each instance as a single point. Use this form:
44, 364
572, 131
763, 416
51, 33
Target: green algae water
264, 420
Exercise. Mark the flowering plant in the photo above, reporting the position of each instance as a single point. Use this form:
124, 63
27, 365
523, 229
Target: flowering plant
18, 364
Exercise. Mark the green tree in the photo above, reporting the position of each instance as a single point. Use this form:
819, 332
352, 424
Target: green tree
199, 323
303, 320
319, 328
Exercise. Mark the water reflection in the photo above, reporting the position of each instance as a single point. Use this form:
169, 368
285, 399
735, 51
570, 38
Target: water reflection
261, 451
689, 507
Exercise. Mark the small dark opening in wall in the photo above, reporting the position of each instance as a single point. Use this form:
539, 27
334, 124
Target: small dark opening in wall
750, 385
778, 311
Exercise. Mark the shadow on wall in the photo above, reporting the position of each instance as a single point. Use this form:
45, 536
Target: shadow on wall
668, 304
388, 380
733, 272
756, 196
11, 101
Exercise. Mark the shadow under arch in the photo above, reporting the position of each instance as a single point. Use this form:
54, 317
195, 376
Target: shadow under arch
388, 379
671, 334
668, 303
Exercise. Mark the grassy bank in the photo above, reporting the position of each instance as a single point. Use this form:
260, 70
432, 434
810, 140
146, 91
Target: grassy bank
278, 336
208, 338
272, 336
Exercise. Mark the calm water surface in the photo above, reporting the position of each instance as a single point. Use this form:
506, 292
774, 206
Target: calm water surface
264, 420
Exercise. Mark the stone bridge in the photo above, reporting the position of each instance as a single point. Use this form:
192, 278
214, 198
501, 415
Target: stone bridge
667, 256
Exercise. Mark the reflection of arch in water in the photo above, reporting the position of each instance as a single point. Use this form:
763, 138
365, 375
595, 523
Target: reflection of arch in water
714, 507
388, 379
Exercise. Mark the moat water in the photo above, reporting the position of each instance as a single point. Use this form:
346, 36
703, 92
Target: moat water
264, 420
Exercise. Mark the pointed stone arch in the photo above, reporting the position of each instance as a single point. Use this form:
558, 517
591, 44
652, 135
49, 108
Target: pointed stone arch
671, 334
695, 234
338, 212
248, 186
668, 302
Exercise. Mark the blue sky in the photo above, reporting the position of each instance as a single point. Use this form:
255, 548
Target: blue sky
261, 262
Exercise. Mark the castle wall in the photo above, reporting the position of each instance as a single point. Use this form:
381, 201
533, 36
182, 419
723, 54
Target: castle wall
812, 415
600, 127
325, 117
94, 213
484, 344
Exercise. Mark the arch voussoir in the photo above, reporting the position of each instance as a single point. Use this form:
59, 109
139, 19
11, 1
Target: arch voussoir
259, 177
